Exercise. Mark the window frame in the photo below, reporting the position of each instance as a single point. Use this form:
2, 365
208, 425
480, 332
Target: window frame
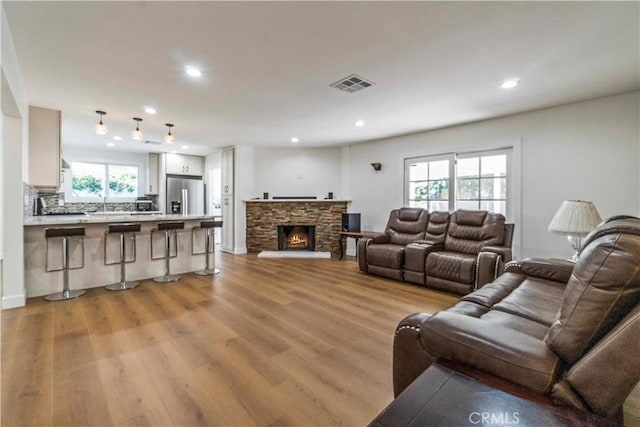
453, 158
68, 183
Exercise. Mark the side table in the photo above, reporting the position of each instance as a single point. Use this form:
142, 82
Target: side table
344, 234
441, 397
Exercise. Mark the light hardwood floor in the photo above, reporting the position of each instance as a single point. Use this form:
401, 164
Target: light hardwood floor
266, 342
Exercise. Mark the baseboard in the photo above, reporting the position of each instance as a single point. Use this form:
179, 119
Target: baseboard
240, 250
13, 301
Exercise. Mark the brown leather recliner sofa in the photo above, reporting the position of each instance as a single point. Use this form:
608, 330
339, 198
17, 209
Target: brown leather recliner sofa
570, 334
456, 252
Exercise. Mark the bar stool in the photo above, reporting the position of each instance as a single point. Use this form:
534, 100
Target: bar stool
123, 230
169, 228
209, 238
65, 233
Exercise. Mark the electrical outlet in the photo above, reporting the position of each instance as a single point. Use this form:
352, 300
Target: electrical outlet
60, 202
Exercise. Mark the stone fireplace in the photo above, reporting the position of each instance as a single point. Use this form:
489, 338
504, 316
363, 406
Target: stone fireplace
296, 237
264, 217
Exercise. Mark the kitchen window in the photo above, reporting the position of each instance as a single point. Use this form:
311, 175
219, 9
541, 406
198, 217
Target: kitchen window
91, 182
478, 180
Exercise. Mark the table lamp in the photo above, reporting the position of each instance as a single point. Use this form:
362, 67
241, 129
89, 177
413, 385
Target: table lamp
575, 219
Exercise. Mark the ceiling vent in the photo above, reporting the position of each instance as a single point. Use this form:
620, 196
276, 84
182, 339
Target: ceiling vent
352, 84
153, 142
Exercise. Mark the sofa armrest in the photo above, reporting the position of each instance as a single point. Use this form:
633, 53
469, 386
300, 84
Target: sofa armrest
492, 348
503, 251
362, 244
415, 254
379, 237
489, 265
558, 270
410, 359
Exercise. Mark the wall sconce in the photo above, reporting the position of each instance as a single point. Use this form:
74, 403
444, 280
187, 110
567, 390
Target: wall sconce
376, 166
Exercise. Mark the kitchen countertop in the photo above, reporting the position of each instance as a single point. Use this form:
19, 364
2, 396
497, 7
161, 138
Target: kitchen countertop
109, 217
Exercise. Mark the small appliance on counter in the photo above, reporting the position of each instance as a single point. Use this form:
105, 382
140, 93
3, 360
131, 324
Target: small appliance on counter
175, 207
41, 205
144, 204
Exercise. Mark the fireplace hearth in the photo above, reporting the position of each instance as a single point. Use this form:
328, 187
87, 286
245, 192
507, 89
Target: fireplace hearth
296, 237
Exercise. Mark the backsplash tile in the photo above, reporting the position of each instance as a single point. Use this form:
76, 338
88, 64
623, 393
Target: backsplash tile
52, 201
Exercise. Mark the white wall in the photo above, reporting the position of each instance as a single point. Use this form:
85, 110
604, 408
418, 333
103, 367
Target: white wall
14, 146
298, 172
588, 150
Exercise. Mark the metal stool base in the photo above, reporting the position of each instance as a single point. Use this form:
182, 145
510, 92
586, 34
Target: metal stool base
167, 278
122, 286
207, 272
60, 296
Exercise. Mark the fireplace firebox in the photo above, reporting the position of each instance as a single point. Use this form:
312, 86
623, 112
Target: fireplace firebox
296, 237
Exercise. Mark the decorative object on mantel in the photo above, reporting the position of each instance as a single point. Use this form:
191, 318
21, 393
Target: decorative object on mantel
137, 133
376, 166
575, 219
330, 195
101, 128
295, 254
169, 138
265, 196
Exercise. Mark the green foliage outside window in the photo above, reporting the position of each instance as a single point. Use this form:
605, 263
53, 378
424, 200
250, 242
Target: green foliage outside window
88, 183
433, 190
123, 183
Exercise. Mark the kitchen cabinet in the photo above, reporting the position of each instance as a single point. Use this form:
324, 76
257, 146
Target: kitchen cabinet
181, 164
44, 148
153, 174
227, 171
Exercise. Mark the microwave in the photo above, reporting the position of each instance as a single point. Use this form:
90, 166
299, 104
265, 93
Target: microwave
143, 205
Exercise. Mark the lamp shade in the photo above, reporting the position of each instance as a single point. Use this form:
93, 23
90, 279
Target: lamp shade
575, 218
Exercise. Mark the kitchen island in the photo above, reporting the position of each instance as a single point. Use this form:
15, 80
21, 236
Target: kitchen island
95, 273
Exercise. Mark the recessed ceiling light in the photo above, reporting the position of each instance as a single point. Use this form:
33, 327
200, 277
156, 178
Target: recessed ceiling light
117, 138
510, 83
192, 71
359, 123
294, 140
185, 147
110, 144
150, 110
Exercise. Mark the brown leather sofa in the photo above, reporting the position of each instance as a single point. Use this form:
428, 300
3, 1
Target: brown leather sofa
456, 252
568, 333
383, 253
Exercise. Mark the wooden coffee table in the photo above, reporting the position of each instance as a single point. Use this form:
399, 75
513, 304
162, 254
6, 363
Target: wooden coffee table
443, 397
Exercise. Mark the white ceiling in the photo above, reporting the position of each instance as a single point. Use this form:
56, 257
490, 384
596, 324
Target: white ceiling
268, 65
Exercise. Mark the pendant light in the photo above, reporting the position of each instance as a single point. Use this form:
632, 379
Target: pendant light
101, 128
169, 138
137, 133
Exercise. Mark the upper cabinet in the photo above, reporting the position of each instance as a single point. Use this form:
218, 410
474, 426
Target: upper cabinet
227, 171
180, 164
153, 174
44, 148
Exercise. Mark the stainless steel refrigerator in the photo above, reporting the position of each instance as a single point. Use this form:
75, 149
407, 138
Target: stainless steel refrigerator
189, 192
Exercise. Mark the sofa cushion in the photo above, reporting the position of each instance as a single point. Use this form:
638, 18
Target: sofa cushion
518, 323
407, 225
469, 231
603, 288
386, 255
456, 267
535, 299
